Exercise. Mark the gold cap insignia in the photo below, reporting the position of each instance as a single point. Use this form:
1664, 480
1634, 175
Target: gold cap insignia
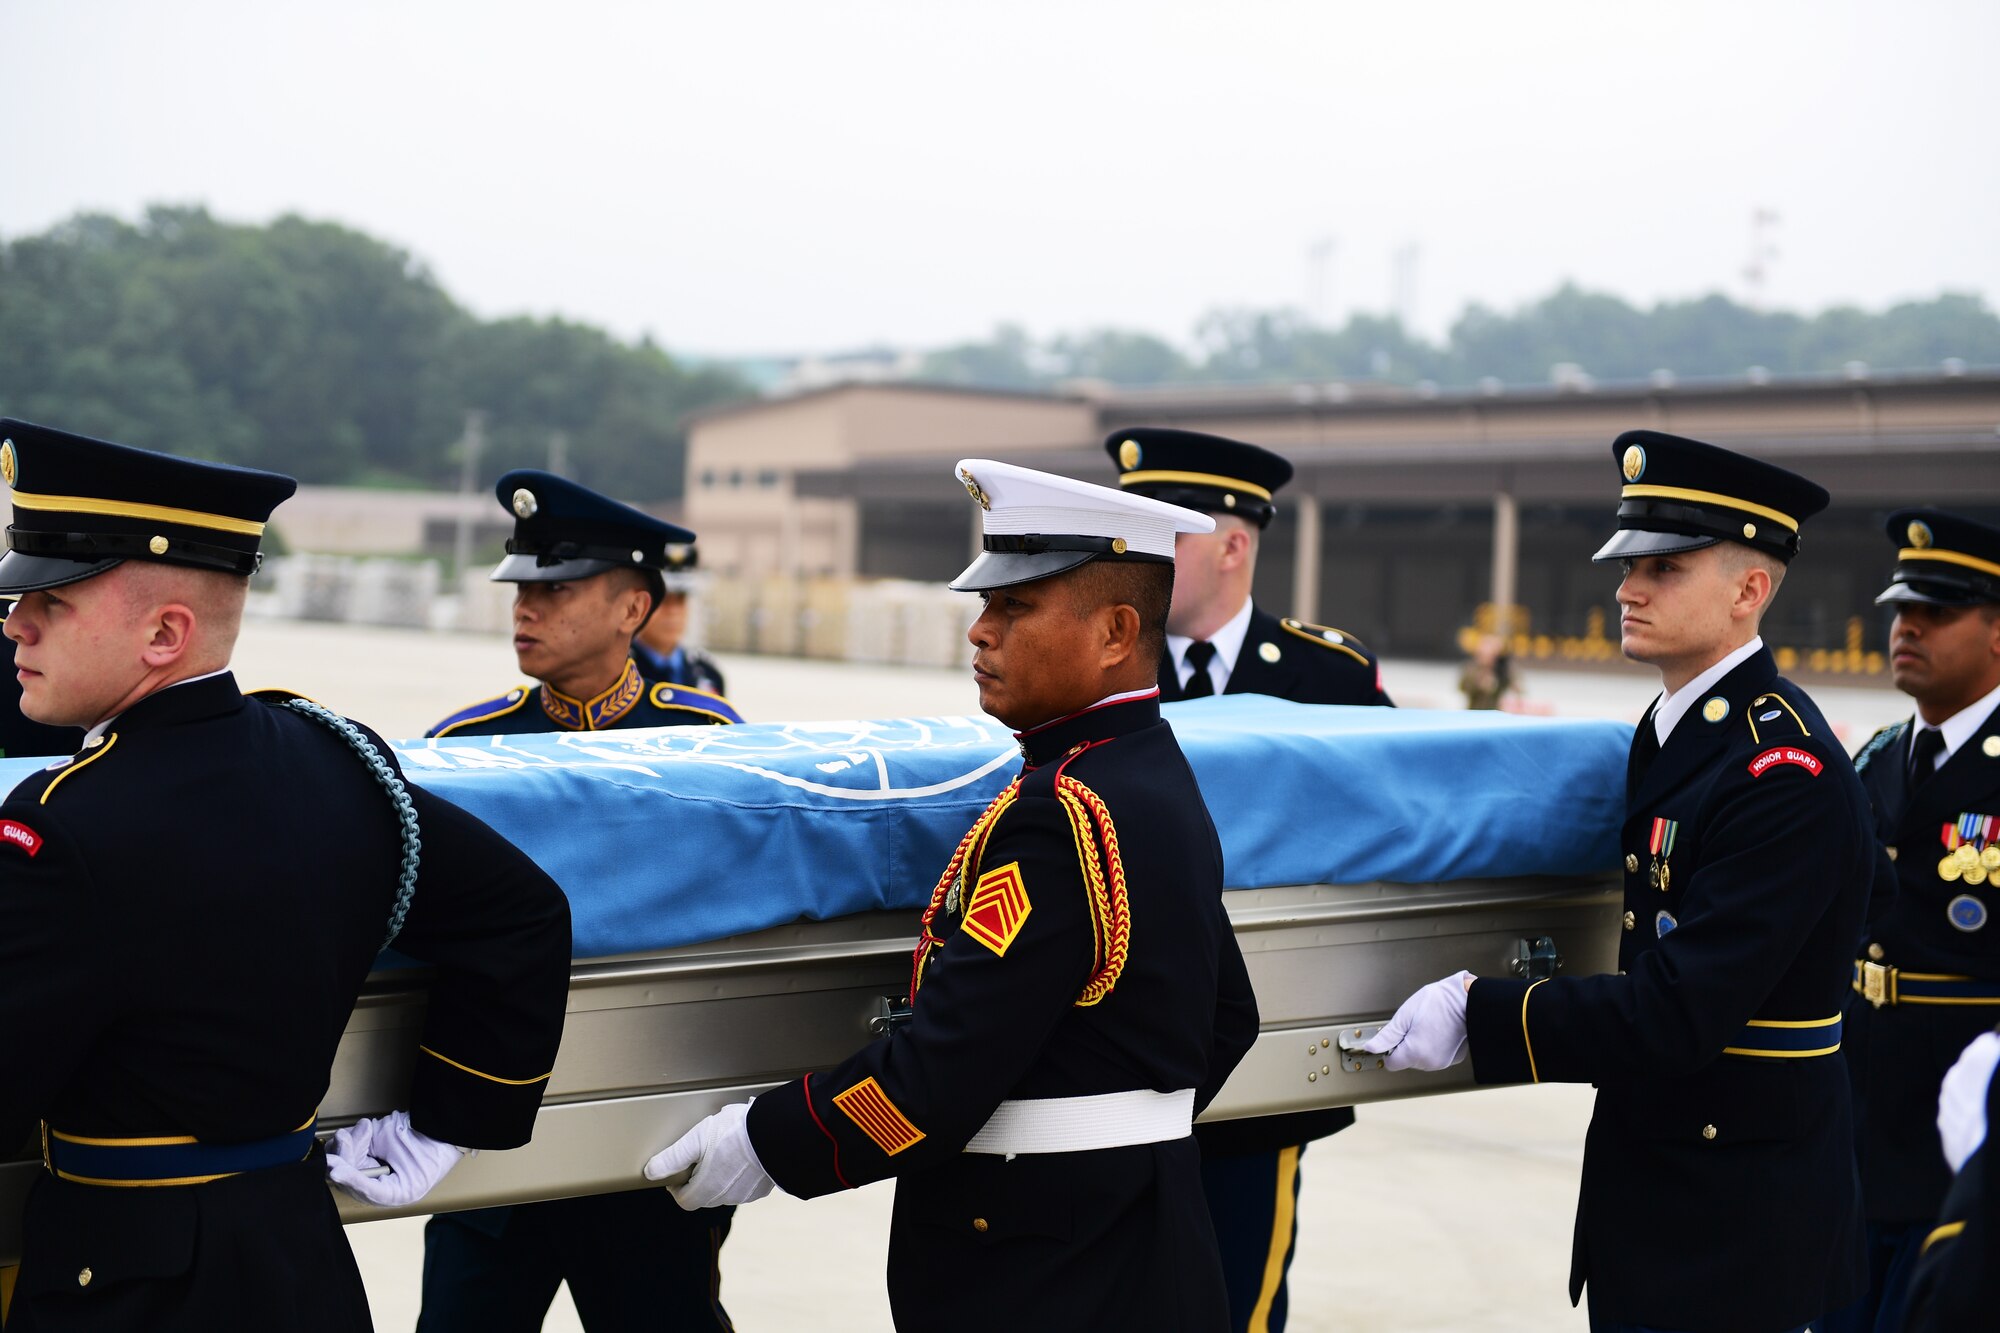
1920, 533
676, 553
1128, 455
1229, 500
1749, 530
974, 489
525, 503
1715, 709
158, 546
1635, 462
1268, 651
1117, 546
7, 461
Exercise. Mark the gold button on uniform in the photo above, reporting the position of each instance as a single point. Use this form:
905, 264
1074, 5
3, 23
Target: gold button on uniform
83, 1278
1630, 921
1631, 863
1708, 1131
1875, 952
979, 1224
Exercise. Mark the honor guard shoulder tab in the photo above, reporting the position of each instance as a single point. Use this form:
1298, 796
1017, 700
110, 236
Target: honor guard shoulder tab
484, 711
1880, 741
669, 698
1772, 717
276, 694
1326, 636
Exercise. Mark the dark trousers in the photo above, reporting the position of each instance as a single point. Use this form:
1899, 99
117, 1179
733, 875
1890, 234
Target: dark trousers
634, 1261
1253, 1203
1598, 1325
1893, 1248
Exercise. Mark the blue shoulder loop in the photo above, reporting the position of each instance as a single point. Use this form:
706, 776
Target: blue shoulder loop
499, 706
689, 699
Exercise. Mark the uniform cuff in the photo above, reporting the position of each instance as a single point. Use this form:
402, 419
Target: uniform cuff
1493, 1022
458, 1104
794, 1143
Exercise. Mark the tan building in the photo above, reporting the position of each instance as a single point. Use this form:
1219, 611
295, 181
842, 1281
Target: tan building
1411, 509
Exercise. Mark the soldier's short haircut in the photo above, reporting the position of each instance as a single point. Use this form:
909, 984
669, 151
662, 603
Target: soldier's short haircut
637, 576
1145, 586
1738, 558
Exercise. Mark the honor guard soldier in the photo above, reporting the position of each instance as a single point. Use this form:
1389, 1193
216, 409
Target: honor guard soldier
1718, 1189
661, 648
588, 574
1077, 993
1955, 1286
191, 904
1220, 642
1928, 979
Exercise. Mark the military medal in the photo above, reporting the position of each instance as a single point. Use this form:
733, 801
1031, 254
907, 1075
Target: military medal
1990, 858
1948, 869
1662, 846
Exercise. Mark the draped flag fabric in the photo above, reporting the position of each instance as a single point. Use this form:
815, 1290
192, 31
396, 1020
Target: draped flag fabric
686, 834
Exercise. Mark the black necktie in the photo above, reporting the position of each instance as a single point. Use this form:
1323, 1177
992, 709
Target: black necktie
1924, 754
1200, 685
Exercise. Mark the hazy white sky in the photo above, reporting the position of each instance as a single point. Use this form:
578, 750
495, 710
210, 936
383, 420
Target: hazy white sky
758, 177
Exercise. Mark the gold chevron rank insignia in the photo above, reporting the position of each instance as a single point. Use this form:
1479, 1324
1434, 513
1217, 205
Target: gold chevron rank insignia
998, 908
876, 1116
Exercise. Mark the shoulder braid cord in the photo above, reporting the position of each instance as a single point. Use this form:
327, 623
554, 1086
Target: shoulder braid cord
399, 797
1104, 880
1880, 740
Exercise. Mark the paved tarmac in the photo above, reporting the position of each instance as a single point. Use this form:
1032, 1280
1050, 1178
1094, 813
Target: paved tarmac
1441, 1213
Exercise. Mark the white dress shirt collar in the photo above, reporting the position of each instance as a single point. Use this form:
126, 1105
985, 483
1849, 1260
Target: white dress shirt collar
1673, 707
1228, 642
1960, 727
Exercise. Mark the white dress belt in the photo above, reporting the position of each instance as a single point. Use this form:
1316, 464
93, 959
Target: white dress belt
1084, 1124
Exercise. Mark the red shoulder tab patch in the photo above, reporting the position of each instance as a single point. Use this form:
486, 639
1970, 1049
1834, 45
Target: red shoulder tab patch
16, 834
1784, 754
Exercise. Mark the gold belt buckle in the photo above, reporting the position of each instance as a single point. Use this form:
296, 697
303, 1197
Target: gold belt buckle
1875, 984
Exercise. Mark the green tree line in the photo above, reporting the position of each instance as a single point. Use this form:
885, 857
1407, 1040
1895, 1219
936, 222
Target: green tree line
1609, 339
310, 348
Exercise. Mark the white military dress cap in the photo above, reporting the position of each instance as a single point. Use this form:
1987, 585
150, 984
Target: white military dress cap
1036, 524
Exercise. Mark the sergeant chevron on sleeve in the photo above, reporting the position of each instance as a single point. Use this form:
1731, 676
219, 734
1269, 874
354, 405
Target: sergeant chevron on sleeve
1077, 992
1718, 1191
189, 907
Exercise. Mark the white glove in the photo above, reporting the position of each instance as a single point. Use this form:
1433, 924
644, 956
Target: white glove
725, 1166
1428, 1032
1962, 1100
384, 1161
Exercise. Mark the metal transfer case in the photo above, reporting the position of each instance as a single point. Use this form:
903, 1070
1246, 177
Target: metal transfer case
655, 1042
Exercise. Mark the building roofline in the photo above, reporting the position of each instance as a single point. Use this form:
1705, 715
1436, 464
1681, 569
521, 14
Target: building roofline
748, 405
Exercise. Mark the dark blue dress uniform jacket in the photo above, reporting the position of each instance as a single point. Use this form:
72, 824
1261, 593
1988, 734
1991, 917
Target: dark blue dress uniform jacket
1956, 1284
1029, 993
1897, 1055
1718, 1191
1314, 665
633, 701
187, 911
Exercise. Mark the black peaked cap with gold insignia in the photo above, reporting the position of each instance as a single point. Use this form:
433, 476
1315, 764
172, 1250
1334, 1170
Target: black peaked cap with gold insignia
1682, 495
81, 506
1197, 471
563, 530
1943, 559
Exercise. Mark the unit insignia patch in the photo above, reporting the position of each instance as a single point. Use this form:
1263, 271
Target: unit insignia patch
1715, 709
16, 834
998, 907
876, 1116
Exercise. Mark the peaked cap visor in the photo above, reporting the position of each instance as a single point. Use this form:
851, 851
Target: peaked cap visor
21, 572
1005, 569
1631, 543
528, 569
